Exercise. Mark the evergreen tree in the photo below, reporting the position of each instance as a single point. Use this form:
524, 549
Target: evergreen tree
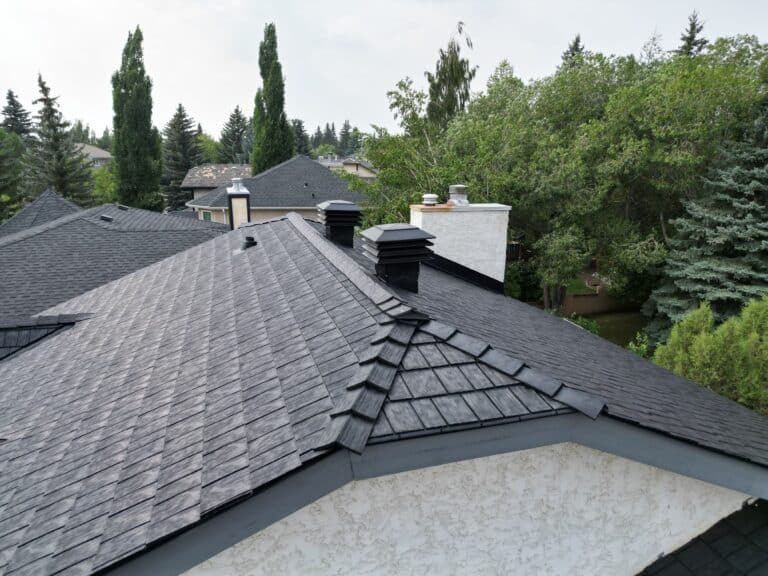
11, 151
300, 137
105, 141
345, 137
136, 143
329, 136
449, 85
231, 150
272, 135
81, 133
575, 48
317, 138
180, 153
355, 141
691, 41
207, 146
720, 252
15, 118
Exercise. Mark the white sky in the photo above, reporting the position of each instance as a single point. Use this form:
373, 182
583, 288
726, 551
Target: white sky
339, 58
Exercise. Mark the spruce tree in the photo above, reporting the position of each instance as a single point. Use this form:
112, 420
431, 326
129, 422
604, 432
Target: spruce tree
300, 137
449, 85
81, 133
272, 134
231, 150
180, 153
15, 118
136, 144
55, 159
345, 136
720, 252
691, 41
11, 151
574, 50
105, 141
329, 136
317, 138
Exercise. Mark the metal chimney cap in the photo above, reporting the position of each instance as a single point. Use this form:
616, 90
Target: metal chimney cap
395, 233
429, 199
458, 194
237, 188
339, 206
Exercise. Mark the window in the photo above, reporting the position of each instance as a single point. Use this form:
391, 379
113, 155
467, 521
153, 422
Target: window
206, 216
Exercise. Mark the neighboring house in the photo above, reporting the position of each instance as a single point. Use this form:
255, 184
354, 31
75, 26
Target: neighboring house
60, 259
331, 162
359, 167
98, 157
272, 402
46, 207
296, 185
200, 180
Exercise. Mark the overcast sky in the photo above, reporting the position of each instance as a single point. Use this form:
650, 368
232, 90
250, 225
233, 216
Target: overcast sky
339, 58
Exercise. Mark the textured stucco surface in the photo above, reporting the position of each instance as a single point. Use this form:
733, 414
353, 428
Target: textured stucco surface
562, 509
474, 236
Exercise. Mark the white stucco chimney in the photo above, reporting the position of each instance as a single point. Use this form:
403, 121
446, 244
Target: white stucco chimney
239, 204
472, 235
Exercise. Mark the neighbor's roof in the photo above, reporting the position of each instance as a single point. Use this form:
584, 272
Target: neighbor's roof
361, 161
46, 207
53, 262
214, 175
202, 378
296, 183
736, 545
94, 152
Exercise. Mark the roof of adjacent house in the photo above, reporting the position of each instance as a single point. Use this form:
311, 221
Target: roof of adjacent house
214, 175
46, 207
296, 183
53, 262
202, 379
94, 152
361, 161
736, 545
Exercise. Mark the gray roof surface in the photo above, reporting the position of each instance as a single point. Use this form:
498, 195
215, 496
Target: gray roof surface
201, 378
94, 152
296, 183
46, 207
55, 261
214, 175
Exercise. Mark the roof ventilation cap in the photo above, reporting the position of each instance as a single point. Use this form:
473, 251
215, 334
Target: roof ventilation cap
237, 187
397, 250
339, 218
122, 207
106, 218
458, 194
429, 199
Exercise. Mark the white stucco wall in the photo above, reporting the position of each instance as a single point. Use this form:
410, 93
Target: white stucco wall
473, 235
561, 509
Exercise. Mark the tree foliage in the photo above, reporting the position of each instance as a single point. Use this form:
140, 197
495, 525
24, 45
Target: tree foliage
208, 148
691, 40
232, 148
15, 117
300, 138
11, 151
731, 359
573, 52
272, 134
180, 153
136, 144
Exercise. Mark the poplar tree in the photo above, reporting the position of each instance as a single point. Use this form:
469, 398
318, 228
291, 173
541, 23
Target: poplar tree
300, 137
136, 143
54, 160
180, 153
15, 117
691, 41
231, 149
272, 134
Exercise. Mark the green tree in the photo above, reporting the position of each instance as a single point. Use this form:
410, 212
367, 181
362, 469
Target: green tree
317, 138
449, 85
136, 143
272, 135
11, 151
575, 49
561, 255
345, 139
231, 142
322, 150
56, 160
208, 148
731, 359
180, 153
691, 41
329, 136
81, 133
300, 137
105, 141
104, 185
15, 117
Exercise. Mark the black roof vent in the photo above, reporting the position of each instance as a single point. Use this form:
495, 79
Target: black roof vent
249, 242
106, 218
122, 207
340, 218
397, 250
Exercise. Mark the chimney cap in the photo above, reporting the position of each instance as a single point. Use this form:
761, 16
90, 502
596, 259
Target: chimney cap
237, 188
458, 194
338, 206
395, 233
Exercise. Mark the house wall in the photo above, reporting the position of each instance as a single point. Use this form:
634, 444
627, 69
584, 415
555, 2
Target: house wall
359, 170
562, 509
222, 217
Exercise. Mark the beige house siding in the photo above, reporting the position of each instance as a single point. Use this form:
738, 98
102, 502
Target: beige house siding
359, 170
222, 215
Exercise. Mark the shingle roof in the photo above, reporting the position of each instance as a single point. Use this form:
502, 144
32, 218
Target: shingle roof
736, 545
201, 378
18, 332
296, 183
94, 152
46, 207
55, 261
214, 175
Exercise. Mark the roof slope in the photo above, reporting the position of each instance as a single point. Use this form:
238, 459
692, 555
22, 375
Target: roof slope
214, 175
201, 378
296, 183
736, 545
94, 152
46, 207
55, 261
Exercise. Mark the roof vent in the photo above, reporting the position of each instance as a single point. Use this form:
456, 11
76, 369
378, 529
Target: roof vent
397, 250
458, 194
122, 207
106, 218
429, 199
249, 242
339, 218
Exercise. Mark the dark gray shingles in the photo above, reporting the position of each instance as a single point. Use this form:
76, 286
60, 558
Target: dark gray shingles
46, 207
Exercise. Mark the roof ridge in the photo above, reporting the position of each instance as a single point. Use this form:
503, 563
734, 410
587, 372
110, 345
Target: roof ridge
40, 228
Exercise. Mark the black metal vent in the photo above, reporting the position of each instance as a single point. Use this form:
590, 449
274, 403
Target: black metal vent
339, 218
397, 250
106, 218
